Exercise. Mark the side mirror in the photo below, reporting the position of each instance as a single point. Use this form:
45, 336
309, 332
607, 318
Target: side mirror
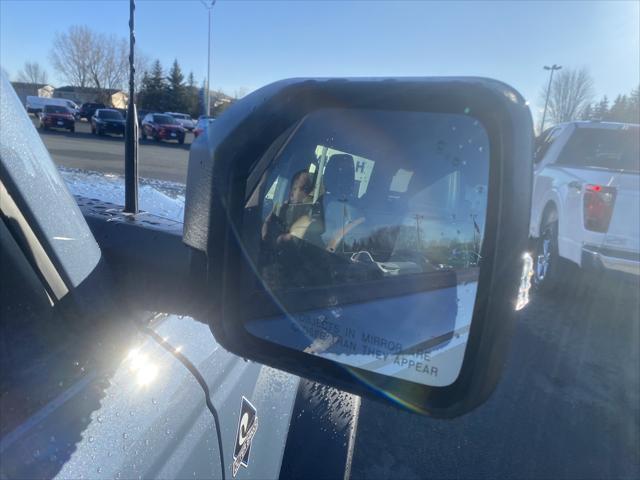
368, 234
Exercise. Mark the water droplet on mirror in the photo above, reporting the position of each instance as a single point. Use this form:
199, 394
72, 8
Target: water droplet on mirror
100, 419
91, 439
125, 435
99, 469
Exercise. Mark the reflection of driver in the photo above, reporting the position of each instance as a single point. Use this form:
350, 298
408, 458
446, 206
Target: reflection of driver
281, 225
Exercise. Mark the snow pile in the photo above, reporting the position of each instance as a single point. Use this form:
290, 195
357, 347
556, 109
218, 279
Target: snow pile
165, 199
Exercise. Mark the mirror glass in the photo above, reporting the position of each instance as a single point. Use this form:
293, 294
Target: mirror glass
363, 233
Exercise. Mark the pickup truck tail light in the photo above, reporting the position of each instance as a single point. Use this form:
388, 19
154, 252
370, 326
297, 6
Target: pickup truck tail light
598, 207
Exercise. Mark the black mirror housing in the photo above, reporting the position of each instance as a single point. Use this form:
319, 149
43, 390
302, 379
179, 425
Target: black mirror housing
233, 160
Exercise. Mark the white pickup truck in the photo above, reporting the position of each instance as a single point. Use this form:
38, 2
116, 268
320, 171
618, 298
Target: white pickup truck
586, 200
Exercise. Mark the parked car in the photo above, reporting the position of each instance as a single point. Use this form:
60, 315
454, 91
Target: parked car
183, 119
162, 127
203, 123
56, 116
586, 200
36, 104
88, 109
107, 120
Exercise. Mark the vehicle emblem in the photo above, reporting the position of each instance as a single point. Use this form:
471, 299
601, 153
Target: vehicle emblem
247, 427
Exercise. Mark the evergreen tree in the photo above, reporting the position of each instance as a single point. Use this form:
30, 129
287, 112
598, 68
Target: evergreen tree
633, 106
587, 113
618, 110
601, 110
193, 107
153, 91
176, 99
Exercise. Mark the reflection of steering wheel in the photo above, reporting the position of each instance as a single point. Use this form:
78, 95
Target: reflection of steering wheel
362, 256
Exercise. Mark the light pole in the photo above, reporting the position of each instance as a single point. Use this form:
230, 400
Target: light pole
208, 4
552, 69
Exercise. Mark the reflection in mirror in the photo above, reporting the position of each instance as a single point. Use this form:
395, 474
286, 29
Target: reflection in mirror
364, 234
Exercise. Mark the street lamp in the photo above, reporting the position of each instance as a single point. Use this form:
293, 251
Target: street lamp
208, 4
552, 69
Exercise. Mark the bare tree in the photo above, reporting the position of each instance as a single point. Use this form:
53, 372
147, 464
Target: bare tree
570, 94
71, 54
108, 62
32, 73
85, 58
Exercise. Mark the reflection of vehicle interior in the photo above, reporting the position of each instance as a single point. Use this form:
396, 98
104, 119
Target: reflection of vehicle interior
373, 236
410, 203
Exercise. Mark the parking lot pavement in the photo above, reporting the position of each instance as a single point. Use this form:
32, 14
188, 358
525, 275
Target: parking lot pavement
163, 161
568, 405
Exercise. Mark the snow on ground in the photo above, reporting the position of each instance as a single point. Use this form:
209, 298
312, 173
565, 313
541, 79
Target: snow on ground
162, 198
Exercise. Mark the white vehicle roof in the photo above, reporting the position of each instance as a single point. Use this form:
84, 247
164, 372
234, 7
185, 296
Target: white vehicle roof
41, 101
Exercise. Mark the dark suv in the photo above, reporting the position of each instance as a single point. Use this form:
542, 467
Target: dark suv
107, 120
87, 110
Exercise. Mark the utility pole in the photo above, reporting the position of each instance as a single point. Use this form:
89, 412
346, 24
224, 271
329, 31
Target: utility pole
208, 4
131, 136
552, 69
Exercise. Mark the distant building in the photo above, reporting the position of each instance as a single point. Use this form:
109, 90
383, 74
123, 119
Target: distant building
110, 97
25, 89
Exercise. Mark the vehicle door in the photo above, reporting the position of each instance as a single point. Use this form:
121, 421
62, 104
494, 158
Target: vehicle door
544, 180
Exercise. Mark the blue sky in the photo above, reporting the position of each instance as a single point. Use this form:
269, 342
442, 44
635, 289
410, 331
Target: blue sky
256, 42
